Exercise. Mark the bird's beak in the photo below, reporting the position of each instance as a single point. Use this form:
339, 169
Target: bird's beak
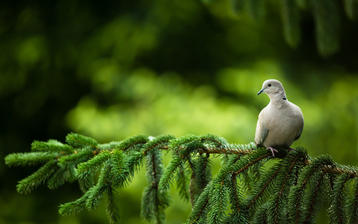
260, 91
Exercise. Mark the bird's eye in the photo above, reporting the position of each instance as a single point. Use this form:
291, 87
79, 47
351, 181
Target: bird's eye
269, 85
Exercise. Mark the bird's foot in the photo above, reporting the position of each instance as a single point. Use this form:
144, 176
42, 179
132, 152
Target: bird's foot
273, 150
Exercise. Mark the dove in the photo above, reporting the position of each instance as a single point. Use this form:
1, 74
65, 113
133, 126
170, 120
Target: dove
280, 123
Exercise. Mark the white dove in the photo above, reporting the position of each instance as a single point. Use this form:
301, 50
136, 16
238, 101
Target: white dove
280, 123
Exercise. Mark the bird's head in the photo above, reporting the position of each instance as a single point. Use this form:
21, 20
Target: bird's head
273, 88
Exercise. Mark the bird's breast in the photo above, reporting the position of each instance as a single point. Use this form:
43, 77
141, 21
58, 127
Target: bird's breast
282, 128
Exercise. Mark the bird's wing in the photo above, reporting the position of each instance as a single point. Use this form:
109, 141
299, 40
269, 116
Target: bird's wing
300, 129
299, 134
261, 132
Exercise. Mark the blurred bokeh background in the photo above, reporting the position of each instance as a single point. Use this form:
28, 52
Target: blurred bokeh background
114, 69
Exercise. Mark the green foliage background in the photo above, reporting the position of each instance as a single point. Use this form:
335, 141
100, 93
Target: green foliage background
116, 69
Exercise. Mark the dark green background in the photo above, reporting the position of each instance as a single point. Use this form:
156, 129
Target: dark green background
114, 69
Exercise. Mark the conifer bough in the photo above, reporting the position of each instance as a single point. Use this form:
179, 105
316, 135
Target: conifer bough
326, 15
250, 187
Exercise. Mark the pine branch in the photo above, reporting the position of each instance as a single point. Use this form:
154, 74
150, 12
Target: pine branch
30, 158
237, 216
352, 204
217, 203
326, 17
261, 215
326, 14
31, 182
151, 204
351, 7
262, 186
295, 196
74, 207
127, 144
60, 177
242, 164
200, 175
85, 183
182, 183
78, 156
234, 195
51, 146
217, 187
85, 168
251, 187
112, 208
181, 147
336, 209
291, 22
79, 141
311, 198
199, 208
284, 179
117, 166
103, 183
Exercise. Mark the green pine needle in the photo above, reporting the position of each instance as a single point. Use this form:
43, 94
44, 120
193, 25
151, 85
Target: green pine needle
57, 179
74, 207
182, 183
117, 163
152, 202
96, 192
125, 173
112, 208
80, 141
50, 146
31, 182
201, 175
260, 216
132, 142
77, 157
352, 204
295, 196
30, 158
83, 169
217, 203
311, 198
336, 209
283, 181
199, 209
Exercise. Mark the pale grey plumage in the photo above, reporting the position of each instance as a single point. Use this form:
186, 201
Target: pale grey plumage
280, 123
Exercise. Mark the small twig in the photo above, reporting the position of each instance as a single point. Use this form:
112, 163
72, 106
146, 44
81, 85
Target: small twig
251, 163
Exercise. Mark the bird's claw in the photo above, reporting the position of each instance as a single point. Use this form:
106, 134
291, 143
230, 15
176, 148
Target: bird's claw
273, 150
